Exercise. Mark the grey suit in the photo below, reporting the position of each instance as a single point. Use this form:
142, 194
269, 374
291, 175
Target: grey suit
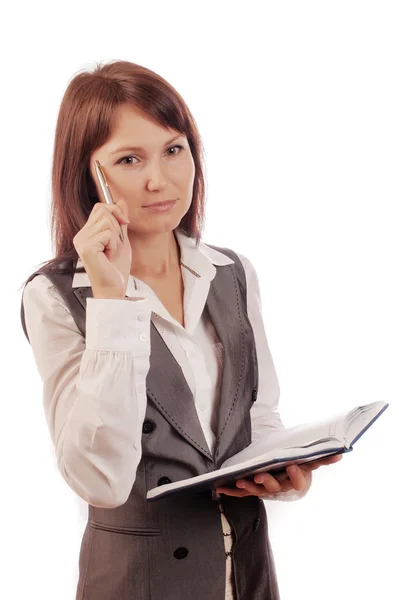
172, 549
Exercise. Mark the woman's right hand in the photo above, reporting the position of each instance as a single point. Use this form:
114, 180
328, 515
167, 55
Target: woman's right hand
106, 259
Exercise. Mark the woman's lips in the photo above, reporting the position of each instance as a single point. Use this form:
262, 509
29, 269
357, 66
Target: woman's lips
161, 206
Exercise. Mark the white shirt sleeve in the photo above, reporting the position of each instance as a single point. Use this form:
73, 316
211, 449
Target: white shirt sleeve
264, 412
93, 405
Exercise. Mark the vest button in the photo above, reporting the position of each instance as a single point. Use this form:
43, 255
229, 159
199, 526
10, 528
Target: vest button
164, 481
254, 394
256, 524
180, 553
148, 426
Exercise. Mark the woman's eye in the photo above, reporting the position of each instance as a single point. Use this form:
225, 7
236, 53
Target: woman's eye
177, 146
124, 158
121, 160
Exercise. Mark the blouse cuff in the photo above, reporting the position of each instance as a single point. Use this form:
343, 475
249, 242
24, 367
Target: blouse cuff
120, 325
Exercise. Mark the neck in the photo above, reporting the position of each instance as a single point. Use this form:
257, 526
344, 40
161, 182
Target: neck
154, 255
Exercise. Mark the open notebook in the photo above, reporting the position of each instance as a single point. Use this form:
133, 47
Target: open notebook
282, 447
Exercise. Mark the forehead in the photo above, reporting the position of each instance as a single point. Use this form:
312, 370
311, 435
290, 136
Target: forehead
132, 126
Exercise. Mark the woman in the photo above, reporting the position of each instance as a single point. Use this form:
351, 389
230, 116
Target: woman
153, 354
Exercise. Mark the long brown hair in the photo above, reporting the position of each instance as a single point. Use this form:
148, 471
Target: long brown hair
84, 124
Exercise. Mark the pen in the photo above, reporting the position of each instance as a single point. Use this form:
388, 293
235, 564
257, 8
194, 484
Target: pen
105, 190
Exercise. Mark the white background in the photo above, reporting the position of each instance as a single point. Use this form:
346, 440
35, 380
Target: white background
297, 104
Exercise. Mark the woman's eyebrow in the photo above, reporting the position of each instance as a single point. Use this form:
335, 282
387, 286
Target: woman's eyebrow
138, 148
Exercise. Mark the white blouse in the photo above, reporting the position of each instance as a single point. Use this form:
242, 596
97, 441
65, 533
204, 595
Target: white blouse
98, 440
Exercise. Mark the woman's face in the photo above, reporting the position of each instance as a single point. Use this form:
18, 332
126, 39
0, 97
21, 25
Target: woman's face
150, 168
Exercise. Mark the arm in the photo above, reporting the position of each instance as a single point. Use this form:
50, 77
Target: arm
264, 412
94, 392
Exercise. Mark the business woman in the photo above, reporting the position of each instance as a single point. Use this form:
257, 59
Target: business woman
152, 352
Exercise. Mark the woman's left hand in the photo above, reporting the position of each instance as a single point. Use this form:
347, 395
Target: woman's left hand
265, 484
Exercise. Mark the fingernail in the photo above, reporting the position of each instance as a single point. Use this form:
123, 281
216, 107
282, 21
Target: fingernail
241, 484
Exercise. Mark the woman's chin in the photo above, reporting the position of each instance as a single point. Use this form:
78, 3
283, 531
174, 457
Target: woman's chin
167, 223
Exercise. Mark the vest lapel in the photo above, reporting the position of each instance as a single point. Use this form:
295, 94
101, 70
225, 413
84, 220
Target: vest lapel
169, 390
223, 306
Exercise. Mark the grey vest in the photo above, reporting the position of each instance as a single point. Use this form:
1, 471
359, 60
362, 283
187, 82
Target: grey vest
173, 548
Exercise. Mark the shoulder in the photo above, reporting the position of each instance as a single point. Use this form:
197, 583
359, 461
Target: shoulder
251, 275
40, 293
44, 314
223, 256
37, 282
246, 263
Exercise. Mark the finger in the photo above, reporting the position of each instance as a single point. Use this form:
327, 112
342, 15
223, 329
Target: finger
251, 487
120, 229
106, 223
118, 216
105, 239
122, 214
121, 224
100, 208
124, 232
297, 477
336, 457
270, 483
123, 205
232, 492
257, 489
